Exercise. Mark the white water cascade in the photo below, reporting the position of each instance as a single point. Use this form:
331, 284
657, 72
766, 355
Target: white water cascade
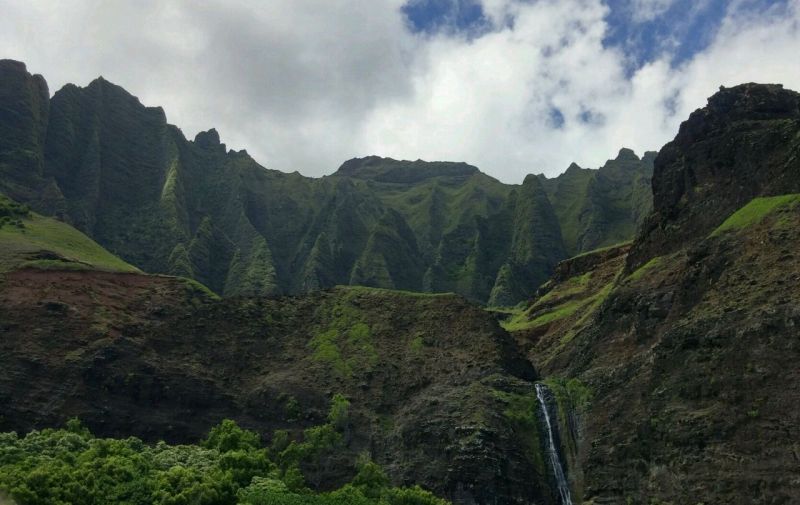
555, 460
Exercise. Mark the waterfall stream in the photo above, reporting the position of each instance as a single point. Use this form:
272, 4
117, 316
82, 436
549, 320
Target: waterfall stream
555, 460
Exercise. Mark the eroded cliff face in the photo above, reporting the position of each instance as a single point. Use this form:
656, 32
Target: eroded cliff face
689, 347
429, 378
24, 108
97, 158
744, 143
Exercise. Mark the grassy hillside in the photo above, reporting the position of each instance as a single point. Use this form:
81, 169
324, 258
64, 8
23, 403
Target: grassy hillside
30, 240
757, 210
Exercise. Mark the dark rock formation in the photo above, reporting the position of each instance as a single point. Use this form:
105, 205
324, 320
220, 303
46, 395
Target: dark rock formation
24, 107
744, 143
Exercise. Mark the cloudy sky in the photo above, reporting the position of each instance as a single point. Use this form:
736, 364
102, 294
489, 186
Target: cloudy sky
512, 86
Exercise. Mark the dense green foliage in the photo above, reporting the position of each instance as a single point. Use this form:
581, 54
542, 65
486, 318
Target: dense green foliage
520, 411
70, 466
11, 210
571, 394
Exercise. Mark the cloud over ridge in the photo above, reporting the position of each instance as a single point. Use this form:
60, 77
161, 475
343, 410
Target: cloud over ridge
304, 85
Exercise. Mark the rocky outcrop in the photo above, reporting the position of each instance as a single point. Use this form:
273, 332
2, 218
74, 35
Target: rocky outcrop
24, 108
587, 262
744, 143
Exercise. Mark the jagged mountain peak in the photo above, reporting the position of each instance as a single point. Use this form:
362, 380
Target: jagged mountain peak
117, 171
209, 139
627, 154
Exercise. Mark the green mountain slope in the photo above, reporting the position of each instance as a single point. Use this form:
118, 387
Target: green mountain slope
116, 170
30, 240
598, 208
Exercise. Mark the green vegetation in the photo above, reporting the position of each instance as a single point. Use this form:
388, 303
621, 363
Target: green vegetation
571, 304
231, 466
643, 270
72, 248
572, 397
592, 304
416, 345
756, 210
571, 394
521, 321
12, 213
559, 312
339, 415
572, 286
345, 343
603, 249
520, 410
194, 286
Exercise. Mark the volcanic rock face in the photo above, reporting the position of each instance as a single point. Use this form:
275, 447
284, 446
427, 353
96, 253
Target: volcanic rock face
745, 143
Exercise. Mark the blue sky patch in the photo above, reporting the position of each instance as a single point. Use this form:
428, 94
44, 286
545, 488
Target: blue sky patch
556, 119
681, 31
431, 16
684, 29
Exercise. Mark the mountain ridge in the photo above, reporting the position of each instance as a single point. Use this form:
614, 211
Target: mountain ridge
120, 173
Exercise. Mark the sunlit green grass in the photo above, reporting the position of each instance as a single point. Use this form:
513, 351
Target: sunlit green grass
39, 233
755, 211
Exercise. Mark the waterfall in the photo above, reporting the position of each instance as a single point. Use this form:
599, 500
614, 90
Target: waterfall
555, 460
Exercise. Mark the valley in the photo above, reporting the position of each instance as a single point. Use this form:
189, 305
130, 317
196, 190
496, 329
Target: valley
621, 335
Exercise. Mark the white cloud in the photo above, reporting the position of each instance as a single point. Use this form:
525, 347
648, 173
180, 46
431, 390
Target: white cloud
305, 84
646, 10
489, 101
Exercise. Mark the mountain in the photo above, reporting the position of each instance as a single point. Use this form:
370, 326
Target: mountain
439, 395
686, 339
599, 208
98, 159
661, 370
744, 144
